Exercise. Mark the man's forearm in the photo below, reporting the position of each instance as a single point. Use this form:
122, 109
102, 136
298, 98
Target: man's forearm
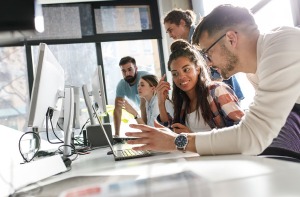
117, 120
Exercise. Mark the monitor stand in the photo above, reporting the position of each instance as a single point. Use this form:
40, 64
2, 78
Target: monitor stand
68, 121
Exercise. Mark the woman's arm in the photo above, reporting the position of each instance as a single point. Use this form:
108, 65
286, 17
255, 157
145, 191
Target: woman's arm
162, 94
131, 110
229, 103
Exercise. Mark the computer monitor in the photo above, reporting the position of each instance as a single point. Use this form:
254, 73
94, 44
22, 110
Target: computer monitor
48, 88
49, 92
98, 94
98, 91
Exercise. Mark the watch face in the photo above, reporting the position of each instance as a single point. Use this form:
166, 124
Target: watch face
181, 141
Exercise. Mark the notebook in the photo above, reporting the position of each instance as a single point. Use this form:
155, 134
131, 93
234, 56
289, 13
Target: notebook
119, 151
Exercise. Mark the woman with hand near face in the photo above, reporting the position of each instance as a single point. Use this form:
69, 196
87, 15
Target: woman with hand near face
200, 104
146, 90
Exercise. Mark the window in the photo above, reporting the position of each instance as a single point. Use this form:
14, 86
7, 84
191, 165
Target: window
116, 19
75, 33
145, 53
14, 94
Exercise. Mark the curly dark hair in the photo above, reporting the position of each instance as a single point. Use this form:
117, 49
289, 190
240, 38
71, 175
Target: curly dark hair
181, 48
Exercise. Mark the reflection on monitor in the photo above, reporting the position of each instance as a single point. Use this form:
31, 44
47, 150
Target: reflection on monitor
48, 85
98, 91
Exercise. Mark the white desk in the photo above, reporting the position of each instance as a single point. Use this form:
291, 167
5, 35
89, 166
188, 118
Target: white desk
233, 175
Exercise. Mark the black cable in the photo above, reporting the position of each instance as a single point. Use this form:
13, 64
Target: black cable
54, 131
87, 121
38, 143
74, 151
59, 126
47, 117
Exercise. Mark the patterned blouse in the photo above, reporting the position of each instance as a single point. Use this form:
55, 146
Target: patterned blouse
223, 103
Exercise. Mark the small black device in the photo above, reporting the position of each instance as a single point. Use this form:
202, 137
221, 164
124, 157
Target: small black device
96, 137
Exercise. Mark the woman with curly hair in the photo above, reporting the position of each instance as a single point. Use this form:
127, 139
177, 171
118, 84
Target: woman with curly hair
200, 104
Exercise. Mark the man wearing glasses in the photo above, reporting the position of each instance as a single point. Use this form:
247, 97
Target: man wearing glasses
230, 42
180, 24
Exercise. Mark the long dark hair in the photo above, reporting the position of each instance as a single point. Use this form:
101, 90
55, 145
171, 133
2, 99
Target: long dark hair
182, 48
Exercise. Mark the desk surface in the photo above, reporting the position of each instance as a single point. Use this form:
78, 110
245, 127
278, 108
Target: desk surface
231, 175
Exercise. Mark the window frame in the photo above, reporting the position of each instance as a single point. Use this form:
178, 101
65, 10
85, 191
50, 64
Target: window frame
154, 33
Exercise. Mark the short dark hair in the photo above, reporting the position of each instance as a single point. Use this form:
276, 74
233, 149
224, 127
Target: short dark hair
175, 15
223, 18
127, 59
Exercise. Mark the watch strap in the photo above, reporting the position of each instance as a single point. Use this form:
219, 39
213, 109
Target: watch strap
181, 149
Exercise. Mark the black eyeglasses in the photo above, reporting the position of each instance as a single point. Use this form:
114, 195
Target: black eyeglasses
204, 53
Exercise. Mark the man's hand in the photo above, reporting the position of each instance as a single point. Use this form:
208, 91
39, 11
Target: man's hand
156, 138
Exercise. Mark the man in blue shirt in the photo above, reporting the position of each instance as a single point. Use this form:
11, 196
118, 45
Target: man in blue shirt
127, 87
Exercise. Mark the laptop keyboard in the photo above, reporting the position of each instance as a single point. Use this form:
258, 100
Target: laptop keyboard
130, 153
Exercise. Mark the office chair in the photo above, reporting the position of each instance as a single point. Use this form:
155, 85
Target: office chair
281, 153
289, 136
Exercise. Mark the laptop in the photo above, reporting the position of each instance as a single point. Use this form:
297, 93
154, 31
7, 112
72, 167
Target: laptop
120, 151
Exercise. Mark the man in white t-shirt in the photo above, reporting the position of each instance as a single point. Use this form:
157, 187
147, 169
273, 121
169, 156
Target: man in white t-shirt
230, 41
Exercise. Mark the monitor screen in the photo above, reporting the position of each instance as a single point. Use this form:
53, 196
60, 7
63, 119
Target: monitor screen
48, 88
98, 91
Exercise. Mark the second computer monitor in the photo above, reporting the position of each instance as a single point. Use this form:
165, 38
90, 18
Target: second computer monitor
98, 91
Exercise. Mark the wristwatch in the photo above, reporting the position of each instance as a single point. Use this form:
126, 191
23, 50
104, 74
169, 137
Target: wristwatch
181, 141
137, 116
